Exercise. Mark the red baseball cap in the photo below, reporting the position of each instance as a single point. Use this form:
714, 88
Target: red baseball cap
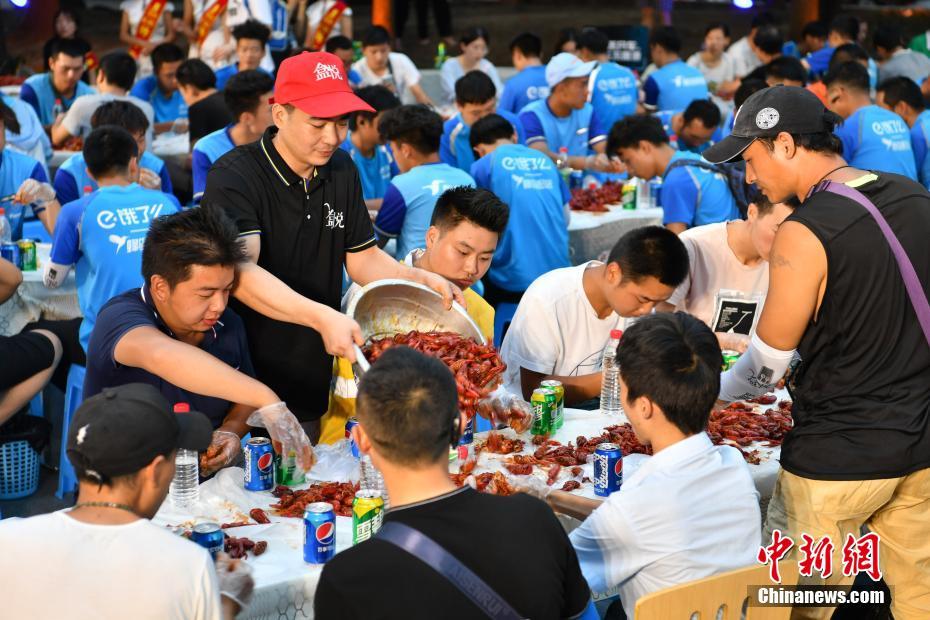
316, 83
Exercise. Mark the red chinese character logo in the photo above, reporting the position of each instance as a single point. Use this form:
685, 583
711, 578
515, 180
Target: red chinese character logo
771, 554
816, 556
861, 556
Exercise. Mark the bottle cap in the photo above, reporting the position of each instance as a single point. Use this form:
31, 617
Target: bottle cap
616, 334
182, 408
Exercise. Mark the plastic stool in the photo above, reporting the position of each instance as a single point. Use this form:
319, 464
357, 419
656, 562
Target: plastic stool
37, 406
503, 315
74, 393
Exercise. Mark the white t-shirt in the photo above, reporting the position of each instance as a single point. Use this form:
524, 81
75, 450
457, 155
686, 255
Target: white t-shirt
56, 567
689, 512
77, 118
317, 10
556, 330
451, 72
714, 275
402, 74
746, 59
136, 8
725, 71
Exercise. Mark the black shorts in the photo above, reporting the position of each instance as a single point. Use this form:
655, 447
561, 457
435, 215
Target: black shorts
22, 356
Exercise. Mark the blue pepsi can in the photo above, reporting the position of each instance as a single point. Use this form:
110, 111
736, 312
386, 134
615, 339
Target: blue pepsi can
350, 424
209, 536
319, 533
608, 469
10, 251
259, 464
469, 435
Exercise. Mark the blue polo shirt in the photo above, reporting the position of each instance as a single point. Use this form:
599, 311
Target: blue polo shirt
223, 75
696, 196
614, 93
14, 169
454, 146
524, 88
920, 142
877, 139
72, 180
819, 61
577, 132
134, 308
666, 118
101, 234
31, 133
409, 202
536, 238
674, 86
166, 109
375, 172
39, 92
206, 151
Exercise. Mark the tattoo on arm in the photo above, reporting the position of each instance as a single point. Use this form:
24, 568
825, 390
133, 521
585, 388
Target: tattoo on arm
779, 260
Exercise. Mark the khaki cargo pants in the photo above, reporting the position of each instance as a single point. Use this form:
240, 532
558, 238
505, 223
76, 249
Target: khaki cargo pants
897, 509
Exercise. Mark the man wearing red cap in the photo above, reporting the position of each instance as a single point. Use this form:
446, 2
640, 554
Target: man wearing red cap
297, 200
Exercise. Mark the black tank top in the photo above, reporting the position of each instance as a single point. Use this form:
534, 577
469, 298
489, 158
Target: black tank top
862, 392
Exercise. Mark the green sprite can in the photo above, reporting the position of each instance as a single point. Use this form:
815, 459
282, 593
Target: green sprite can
729, 358
27, 253
543, 403
556, 386
286, 471
367, 514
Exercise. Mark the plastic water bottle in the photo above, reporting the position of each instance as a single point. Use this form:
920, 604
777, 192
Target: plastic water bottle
6, 232
57, 110
371, 478
565, 171
184, 490
610, 378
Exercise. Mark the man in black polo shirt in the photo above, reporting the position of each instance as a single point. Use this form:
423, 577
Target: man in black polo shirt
297, 200
176, 332
408, 416
859, 452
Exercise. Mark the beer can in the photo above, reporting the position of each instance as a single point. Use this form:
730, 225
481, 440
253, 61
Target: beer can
350, 424
286, 471
10, 251
27, 254
367, 514
543, 403
259, 464
608, 469
319, 533
556, 386
729, 358
209, 536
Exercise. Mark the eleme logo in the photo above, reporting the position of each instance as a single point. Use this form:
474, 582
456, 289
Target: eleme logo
686, 82
894, 126
526, 164
327, 72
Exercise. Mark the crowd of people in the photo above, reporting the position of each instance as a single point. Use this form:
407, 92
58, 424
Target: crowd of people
793, 183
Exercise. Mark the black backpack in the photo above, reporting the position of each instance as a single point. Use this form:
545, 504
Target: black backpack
734, 173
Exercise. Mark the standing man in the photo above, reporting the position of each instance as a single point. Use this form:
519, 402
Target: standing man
52, 93
902, 96
612, 88
836, 294
529, 84
297, 200
675, 83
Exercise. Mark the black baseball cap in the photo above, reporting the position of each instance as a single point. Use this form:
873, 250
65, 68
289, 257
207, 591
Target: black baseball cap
767, 113
120, 430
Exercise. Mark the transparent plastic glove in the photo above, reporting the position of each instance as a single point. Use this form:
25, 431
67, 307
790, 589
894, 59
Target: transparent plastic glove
286, 433
531, 485
32, 191
235, 579
149, 178
223, 450
502, 407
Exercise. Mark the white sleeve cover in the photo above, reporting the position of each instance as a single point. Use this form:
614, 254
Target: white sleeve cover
55, 274
756, 372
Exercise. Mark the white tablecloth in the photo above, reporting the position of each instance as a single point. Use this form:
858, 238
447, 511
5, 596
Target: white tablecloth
33, 301
285, 585
592, 234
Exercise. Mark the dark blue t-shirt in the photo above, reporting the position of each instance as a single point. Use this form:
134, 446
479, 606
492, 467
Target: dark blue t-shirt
225, 341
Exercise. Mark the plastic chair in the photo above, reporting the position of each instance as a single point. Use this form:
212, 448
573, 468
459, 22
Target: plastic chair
726, 593
74, 395
37, 406
503, 316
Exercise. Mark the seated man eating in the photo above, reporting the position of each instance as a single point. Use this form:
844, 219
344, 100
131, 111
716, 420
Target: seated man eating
177, 334
565, 317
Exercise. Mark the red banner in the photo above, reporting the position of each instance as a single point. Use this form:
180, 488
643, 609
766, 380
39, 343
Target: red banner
148, 24
326, 25
205, 25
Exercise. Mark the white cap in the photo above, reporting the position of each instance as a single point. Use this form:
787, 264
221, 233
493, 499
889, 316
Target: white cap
565, 65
